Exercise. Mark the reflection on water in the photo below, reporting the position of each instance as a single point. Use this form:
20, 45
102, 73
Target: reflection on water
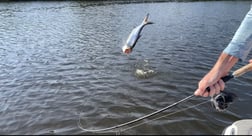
61, 60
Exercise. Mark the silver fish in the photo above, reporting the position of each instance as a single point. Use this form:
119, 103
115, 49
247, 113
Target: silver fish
135, 35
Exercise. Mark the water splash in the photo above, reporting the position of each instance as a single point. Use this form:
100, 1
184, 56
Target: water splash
143, 70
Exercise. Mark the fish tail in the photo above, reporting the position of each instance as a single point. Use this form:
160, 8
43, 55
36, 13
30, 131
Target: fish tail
146, 22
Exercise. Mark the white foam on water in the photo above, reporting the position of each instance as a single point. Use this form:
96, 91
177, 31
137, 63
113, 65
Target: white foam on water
144, 71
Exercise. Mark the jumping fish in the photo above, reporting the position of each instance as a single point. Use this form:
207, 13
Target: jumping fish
135, 35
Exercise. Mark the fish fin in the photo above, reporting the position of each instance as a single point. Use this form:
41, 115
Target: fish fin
146, 17
145, 21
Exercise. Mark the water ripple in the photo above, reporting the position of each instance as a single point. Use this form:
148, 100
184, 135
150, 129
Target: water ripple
62, 60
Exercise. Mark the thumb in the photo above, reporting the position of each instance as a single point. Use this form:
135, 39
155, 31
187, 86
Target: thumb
198, 92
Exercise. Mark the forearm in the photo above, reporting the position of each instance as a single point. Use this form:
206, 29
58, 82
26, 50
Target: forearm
224, 64
241, 44
221, 68
212, 79
237, 49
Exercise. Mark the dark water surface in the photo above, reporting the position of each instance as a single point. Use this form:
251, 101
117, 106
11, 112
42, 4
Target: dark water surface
62, 61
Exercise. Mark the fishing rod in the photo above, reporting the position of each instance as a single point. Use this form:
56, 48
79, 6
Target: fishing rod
235, 74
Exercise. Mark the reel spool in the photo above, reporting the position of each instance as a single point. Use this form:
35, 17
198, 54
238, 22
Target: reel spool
221, 101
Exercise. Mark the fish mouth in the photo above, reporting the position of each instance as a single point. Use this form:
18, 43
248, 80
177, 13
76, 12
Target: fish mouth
126, 49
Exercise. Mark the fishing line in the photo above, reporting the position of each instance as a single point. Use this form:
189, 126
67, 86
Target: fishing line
118, 130
235, 74
121, 130
135, 120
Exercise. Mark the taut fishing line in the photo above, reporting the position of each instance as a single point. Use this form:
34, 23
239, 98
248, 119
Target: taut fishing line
109, 129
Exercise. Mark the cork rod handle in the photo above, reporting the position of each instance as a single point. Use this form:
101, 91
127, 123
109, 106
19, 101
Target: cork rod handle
242, 70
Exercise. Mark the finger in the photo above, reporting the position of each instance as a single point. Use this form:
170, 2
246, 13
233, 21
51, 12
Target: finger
222, 84
212, 90
205, 94
250, 61
217, 88
199, 92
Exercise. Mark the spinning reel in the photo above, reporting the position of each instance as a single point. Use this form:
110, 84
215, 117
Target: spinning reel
221, 101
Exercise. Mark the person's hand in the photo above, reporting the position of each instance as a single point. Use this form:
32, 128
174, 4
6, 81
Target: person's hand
211, 80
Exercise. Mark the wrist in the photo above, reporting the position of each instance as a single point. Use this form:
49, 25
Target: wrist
224, 64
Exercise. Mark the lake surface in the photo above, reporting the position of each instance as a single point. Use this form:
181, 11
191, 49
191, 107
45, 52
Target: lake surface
62, 62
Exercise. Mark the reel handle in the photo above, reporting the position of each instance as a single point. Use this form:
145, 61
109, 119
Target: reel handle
236, 73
